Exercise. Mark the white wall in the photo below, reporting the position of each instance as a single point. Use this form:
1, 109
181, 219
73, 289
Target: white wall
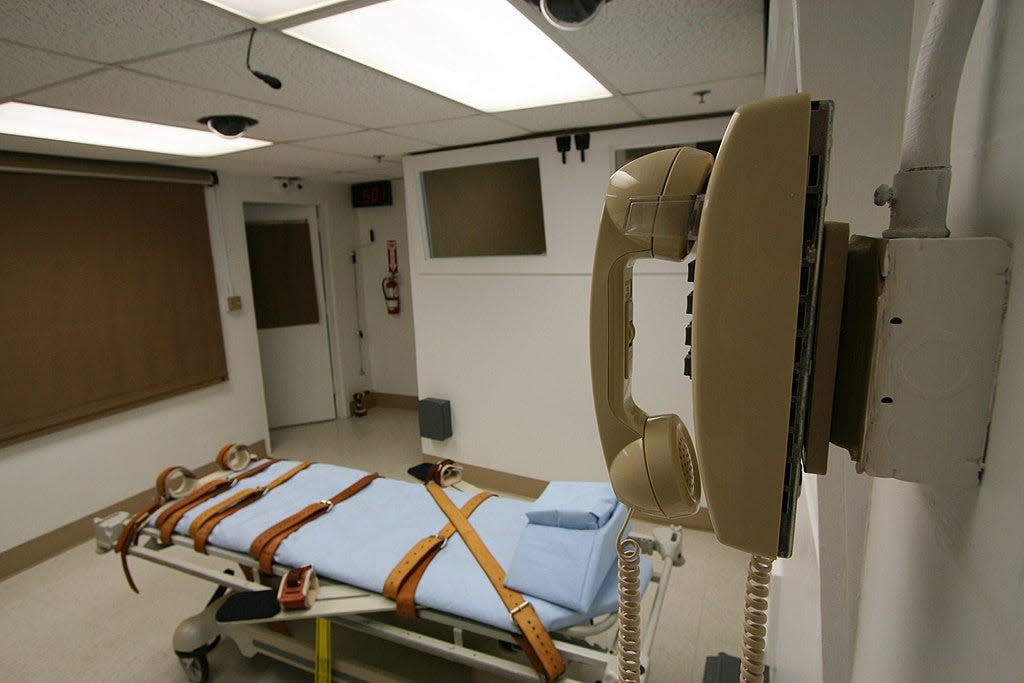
856, 54
389, 342
506, 339
55, 479
917, 583
943, 594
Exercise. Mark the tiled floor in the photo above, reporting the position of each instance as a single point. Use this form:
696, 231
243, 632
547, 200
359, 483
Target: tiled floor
74, 619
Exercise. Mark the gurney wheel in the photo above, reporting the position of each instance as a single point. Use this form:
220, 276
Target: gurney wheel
196, 667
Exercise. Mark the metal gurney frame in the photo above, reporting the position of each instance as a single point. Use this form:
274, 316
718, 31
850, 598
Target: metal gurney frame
353, 608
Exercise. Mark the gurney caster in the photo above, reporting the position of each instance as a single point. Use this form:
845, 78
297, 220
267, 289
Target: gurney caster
195, 638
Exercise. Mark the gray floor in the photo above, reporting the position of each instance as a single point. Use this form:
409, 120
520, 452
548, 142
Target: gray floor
73, 618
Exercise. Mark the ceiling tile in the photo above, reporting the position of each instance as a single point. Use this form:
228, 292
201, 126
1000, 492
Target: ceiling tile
291, 155
118, 92
349, 177
266, 169
724, 95
658, 44
461, 131
370, 143
113, 30
655, 52
26, 68
315, 81
575, 115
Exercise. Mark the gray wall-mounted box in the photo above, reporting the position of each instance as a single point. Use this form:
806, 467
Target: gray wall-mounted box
435, 418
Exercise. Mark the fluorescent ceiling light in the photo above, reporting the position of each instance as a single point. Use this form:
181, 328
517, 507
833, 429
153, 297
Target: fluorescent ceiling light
263, 11
483, 53
33, 121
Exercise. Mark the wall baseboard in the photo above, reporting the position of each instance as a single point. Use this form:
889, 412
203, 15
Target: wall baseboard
394, 401
528, 487
53, 543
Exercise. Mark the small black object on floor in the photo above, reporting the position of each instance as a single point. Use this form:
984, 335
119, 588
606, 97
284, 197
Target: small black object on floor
421, 471
723, 668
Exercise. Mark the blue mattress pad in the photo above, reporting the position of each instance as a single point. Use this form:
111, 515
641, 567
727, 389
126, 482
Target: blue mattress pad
359, 541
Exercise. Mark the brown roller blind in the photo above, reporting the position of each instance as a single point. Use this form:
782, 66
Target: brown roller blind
107, 298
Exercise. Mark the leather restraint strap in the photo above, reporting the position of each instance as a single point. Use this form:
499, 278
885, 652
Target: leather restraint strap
165, 493
204, 524
401, 584
266, 544
535, 641
130, 532
169, 518
436, 471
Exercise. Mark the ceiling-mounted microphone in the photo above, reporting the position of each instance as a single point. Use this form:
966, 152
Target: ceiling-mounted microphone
272, 81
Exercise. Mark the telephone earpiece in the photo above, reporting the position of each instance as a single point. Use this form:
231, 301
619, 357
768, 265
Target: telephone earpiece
658, 474
651, 460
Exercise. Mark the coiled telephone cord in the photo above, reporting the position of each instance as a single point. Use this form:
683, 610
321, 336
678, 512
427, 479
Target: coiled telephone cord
629, 606
755, 619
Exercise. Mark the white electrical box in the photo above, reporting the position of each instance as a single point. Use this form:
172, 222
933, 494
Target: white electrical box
938, 309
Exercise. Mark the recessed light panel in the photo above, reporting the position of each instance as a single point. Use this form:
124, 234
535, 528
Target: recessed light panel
33, 121
262, 11
483, 53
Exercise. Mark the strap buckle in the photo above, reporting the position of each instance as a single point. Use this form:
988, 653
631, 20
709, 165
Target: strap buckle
328, 505
443, 539
298, 588
518, 608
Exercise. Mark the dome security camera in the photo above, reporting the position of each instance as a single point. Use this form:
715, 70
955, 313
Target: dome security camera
228, 125
569, 15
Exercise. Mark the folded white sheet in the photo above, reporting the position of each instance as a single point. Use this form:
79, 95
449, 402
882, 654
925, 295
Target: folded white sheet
573, 505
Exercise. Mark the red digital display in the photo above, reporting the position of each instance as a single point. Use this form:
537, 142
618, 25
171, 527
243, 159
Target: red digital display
377, 193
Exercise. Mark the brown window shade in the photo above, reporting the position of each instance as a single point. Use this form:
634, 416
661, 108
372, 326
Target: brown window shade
283, 283
107, 298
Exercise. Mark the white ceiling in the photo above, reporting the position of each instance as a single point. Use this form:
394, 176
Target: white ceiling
173, 61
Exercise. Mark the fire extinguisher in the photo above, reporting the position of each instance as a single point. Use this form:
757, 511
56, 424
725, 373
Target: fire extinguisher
390, 283
390, 287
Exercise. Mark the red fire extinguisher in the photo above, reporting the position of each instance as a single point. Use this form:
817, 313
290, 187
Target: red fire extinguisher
390, 283
390, 286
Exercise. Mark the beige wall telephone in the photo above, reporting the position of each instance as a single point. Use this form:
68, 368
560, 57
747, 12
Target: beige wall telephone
768, 279
757, 210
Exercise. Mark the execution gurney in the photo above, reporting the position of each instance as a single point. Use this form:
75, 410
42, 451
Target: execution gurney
357, 545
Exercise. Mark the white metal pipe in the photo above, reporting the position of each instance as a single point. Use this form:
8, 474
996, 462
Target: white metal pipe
928, 125
920, 193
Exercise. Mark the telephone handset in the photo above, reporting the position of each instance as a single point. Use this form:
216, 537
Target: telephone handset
647, 207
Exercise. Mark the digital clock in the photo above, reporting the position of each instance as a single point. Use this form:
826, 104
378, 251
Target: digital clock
376, 193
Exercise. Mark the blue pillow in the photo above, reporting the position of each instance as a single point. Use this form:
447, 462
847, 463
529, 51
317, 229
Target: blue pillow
573, 505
